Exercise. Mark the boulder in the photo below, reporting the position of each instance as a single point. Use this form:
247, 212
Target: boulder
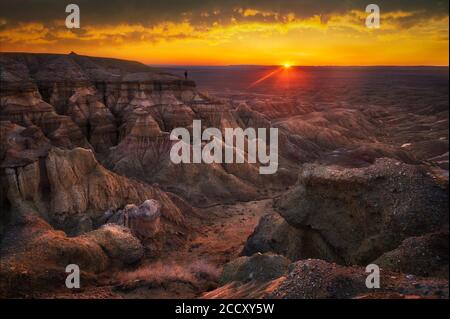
118, 243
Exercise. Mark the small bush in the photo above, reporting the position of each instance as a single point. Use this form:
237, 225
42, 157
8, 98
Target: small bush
160, 272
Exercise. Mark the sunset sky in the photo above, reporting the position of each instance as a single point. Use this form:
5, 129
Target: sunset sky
224, 32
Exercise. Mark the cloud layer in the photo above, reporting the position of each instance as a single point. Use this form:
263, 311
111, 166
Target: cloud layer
145, 25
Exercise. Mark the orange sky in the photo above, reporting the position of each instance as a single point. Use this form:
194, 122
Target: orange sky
247, 36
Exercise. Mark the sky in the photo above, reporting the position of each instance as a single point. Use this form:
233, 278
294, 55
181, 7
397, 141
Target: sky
226, 32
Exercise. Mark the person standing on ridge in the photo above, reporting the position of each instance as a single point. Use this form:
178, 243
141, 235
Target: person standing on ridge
185, 75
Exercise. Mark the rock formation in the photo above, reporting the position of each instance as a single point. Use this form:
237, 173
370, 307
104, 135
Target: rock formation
353, 216
143, 221
71, 190
318, 279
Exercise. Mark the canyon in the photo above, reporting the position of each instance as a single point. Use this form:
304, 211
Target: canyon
87, 178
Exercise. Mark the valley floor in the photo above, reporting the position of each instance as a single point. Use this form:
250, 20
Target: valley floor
222, 231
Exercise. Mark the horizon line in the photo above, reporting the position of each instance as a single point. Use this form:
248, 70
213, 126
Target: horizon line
303, 65
239, 65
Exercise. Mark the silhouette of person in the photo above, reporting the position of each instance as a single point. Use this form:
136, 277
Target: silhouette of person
185, 75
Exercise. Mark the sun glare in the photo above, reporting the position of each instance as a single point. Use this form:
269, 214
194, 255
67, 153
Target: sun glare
286, 65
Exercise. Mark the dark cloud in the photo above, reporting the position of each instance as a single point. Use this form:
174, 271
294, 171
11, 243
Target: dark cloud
148, 12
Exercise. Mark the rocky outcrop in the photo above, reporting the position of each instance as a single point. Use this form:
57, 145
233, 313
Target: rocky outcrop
72, 190
317, 279
34, 256
118, 243
93, 117
274, 234
143, 221
25, 107
362, 213
20, 146
259, 267
425, 256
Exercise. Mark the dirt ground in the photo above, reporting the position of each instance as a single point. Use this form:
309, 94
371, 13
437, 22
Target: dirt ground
224, 229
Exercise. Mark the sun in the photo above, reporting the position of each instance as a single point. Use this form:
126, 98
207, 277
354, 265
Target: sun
286, 65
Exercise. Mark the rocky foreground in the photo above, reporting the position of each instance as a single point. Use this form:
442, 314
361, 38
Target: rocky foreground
335, 222
86, 178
